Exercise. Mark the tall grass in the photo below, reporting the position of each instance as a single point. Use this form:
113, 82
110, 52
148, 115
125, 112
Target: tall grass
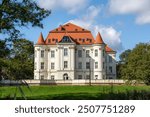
111, 92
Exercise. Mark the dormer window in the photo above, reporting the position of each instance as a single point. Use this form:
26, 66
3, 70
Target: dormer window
80, 39
76, 29
83, 40
53, 39
56, 40
49, 40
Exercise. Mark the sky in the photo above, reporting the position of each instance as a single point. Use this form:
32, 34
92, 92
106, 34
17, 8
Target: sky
122, 23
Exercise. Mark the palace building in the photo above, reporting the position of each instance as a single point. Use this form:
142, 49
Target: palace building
70, 52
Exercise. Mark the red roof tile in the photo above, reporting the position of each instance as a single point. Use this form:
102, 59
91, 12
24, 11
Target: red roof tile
40, 40
99, 39
108, 49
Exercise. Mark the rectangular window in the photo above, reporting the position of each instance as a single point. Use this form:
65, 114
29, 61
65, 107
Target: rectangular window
42, 53
52, 65
79, 76
110, 59
87, 65
65, 64
87, 76
87, 53
49, 40
42, 65
96, 65
103, 53
79, 53
103, 65
35, 66
52, 54
110, 69
96, 76
42, 77
52, 77
66, 52
80, 65
96, 53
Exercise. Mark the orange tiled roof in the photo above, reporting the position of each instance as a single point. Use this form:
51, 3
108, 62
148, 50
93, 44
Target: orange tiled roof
108, 49
40, 40
99, 39
78, 34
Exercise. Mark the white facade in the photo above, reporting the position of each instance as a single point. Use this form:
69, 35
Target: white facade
68, 61
102, 65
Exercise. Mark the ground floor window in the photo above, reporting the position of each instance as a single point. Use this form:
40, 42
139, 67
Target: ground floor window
87, 76
52, 77
96, 76
65, 76
79, 76
42, 77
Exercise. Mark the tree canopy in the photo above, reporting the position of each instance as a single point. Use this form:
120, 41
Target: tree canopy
137, 65
18, 13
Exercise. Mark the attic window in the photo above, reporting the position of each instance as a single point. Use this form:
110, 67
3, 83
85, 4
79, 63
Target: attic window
87, 39
83, 40
76, 29
90, 40
62, 28
49, 40
53, 39
80, 39
56, 40
83, 29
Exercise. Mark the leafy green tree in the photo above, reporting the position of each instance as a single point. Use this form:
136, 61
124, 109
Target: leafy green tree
137, 66
22, 57
18, 13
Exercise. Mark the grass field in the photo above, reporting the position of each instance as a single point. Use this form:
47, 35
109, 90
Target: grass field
76, 92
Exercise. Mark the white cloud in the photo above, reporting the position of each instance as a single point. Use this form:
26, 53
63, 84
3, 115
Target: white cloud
109, 34
71, 6
140, 8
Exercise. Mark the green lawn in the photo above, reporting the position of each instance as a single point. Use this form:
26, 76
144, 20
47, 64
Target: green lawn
77, 92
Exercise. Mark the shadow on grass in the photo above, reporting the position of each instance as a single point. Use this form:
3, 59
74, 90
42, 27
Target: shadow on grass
127, 95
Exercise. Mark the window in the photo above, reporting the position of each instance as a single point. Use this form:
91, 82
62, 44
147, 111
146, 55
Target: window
65, 52
96, 76
42, 53
110, 69
103, 53
96, 65
52, 77
52, 65
42, 65
80, 65
87, 65
79, 76
96, 52
42, 77
65, 64
49, 40
110, 59
87, 53
103, 65
35, 66
87, 76
52, 54
79, 53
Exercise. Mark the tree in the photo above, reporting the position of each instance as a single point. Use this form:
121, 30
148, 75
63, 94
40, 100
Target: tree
124, 55
22, 58
17, 13
137, 66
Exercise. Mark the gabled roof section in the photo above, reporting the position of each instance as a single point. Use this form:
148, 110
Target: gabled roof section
99, 39
108, 49
66, 39
40, 40
69, 27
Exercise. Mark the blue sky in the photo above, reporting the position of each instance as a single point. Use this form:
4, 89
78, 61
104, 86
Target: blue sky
122, 23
